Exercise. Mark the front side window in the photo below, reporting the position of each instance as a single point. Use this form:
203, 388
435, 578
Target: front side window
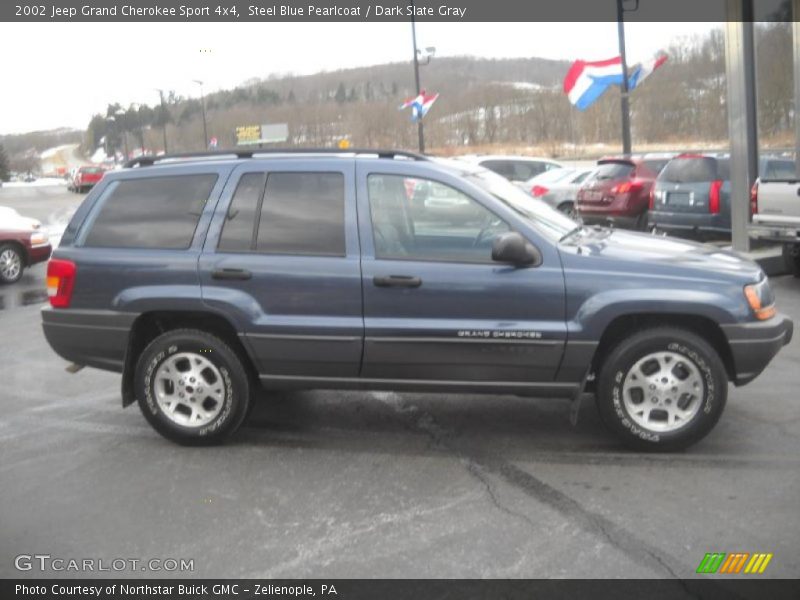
158, 212
420, 219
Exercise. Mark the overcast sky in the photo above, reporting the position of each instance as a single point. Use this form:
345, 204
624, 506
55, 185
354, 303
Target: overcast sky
60, 74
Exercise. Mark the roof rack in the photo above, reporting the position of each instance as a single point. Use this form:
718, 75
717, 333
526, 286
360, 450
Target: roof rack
147, 161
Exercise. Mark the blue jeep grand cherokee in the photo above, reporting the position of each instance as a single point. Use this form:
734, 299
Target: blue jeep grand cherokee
199, 278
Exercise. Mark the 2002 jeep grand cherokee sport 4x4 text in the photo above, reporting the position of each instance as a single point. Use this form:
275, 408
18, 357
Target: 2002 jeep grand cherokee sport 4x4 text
197, 278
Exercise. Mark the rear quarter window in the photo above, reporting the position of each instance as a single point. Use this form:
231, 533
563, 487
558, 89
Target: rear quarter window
157, 212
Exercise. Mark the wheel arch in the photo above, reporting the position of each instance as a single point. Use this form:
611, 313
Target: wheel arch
26, 259
150, 325
624, 326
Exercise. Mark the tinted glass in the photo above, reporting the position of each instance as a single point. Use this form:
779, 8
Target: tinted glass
692, 170
152, 213
613, 170
91, 170
501, 167
655, 165
418, 219
524, 170
780, 169
302, 213
237, 233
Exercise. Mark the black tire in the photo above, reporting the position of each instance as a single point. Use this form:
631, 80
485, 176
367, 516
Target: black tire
703, 361
235, 388
791, 257
12, 263
641, 222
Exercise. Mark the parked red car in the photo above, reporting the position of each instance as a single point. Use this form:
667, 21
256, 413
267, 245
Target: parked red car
619, 192
85, 179
23, 243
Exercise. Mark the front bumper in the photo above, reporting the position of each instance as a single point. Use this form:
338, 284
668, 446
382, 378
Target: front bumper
754, 345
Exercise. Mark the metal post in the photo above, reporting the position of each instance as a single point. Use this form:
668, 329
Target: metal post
796, 45
164, 117
624, 101
742, 123
420, 131
203, 106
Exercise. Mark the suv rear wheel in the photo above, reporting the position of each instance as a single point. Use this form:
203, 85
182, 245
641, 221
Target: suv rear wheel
192, 387
662, 389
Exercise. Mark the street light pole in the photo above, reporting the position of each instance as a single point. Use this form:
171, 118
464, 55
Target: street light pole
164, 117
624, 101
203, 106
420, 131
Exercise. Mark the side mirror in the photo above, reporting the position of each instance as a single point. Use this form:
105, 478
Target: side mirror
514, 249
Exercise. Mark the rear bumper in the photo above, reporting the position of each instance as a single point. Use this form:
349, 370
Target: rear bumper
87, 337
686, 221
754, 345
38, 254
775, 233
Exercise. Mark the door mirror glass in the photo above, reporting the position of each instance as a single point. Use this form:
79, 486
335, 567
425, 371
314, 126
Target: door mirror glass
514, 249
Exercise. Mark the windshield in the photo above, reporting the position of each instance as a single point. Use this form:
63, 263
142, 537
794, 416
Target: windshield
546, 220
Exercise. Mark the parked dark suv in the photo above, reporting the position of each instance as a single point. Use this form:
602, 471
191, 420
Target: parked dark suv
693, 193
618, 193
200, 278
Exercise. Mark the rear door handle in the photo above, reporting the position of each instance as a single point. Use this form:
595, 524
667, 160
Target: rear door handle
406, 281
229, 274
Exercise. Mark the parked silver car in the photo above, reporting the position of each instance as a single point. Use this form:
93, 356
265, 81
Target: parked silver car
558, 187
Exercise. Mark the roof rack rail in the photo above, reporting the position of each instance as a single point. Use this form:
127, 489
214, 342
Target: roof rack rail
147, 161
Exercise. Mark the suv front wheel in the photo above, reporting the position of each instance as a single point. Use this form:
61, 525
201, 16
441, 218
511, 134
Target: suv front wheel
662, 389
192, 387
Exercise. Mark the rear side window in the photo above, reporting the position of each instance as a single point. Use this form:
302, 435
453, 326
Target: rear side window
302, 213
159, 212
501, 167
613, 170
694, 170
238, 230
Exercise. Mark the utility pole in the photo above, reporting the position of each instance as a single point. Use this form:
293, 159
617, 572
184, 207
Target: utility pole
624, 103
203, 106
420, 131
163, 117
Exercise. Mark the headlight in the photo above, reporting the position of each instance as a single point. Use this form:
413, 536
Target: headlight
761, 300
38, 238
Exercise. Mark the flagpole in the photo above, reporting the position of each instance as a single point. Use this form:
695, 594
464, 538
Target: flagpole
416, 77
624, 103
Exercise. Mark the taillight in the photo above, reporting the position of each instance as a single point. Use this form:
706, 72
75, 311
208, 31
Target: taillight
60, 282
625, 187
538, 190
713, 196
754, 199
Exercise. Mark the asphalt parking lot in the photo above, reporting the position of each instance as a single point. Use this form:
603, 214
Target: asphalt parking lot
343, 484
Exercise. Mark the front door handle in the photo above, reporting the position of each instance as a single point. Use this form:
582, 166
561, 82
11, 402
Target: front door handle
230, 274
406, 281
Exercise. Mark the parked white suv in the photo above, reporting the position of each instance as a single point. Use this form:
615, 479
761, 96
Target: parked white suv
513, 168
